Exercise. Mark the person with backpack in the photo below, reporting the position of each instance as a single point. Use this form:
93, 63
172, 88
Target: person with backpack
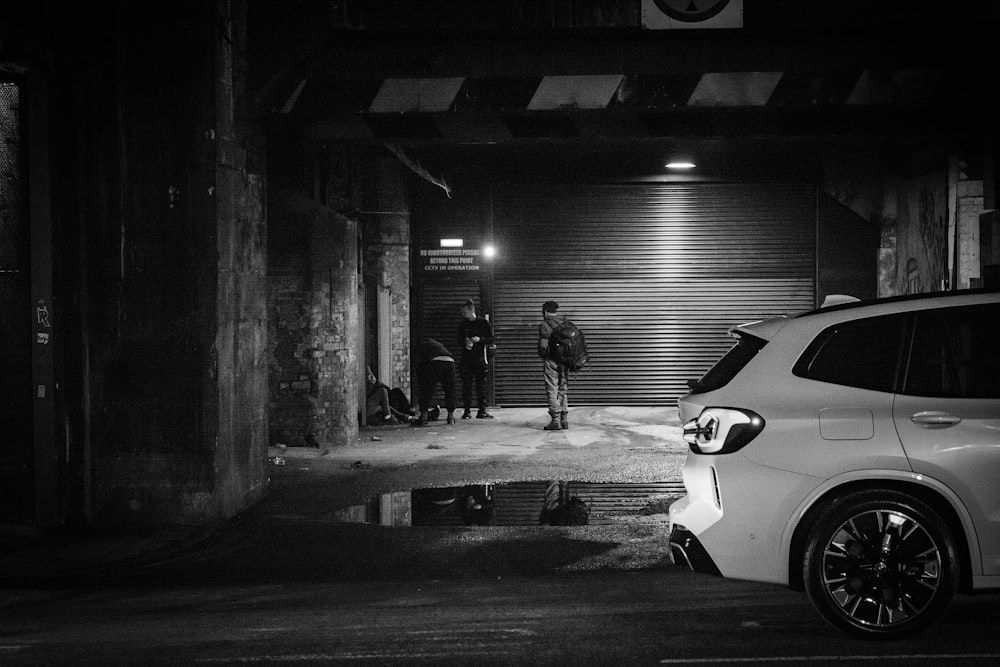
555, 374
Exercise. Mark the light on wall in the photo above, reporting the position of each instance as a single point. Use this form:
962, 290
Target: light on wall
680, 164
489, 252
451, 243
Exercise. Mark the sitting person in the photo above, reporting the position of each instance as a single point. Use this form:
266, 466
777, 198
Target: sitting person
378, 409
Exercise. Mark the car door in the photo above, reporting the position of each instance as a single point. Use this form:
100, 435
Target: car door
948, 413
833, 415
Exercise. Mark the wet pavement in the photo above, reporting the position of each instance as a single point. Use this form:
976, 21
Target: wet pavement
343, 563
312, 490
517, 504
603, 444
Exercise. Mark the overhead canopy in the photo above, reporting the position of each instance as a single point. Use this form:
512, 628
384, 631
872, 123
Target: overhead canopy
495, 87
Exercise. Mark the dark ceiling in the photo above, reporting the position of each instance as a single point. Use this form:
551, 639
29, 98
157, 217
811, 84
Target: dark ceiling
542, 73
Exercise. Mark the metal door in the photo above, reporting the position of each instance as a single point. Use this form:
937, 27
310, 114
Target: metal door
653, 273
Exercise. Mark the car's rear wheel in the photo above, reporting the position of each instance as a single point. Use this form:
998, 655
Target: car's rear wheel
880, 564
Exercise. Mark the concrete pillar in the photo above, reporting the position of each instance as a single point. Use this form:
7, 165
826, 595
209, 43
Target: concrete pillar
387, 258
970, 207
334, 328
241, 339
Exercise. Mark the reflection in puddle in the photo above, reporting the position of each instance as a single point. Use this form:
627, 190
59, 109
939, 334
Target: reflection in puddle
552, 503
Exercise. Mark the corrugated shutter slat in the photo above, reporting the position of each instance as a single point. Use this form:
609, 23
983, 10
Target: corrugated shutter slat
654, 274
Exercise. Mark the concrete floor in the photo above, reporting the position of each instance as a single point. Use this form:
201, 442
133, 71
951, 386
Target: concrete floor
603, 444
515, 432
309, 487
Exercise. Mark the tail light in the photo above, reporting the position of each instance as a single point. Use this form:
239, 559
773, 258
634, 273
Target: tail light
722, 430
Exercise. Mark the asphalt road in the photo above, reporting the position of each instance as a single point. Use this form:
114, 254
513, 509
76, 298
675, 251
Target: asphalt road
274, 589
285, 583
671, 617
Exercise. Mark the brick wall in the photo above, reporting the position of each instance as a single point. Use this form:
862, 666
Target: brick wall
401, 323
324, 201
387, 259
313, 335
290, 376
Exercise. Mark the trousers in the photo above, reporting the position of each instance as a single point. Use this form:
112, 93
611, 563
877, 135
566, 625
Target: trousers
473, 375
556, 387
429, 375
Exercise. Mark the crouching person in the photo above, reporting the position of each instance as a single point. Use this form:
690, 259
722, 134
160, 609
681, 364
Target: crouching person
435, 366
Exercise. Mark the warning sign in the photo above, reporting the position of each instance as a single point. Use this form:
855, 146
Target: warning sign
444, 261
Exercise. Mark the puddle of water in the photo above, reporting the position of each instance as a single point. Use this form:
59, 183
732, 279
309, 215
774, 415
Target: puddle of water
559, 503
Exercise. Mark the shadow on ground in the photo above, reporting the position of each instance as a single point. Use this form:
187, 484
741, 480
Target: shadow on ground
287, 552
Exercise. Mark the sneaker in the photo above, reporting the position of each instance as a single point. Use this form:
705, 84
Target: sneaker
467, 414
451, 419
482, 414
419, 421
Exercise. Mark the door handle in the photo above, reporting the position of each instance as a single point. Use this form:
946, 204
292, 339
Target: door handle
933, 418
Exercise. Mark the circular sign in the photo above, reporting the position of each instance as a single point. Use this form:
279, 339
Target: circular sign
691, 11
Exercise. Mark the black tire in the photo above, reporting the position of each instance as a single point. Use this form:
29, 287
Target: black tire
880, 564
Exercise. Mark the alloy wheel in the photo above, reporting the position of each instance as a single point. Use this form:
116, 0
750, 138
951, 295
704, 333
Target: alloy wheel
881, 568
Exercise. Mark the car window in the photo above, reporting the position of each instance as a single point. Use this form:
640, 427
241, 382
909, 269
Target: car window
862, 353
953, 353
726, 368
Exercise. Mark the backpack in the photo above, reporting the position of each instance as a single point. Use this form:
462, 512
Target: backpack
567, 346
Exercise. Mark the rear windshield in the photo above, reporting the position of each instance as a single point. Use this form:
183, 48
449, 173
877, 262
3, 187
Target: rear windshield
726, 368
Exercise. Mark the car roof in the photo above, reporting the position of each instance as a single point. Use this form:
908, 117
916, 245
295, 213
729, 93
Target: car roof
927, 299
767, 329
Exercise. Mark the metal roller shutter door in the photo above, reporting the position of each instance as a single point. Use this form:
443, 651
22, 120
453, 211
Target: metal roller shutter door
654, 274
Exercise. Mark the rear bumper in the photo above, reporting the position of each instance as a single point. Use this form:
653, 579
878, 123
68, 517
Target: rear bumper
685, 549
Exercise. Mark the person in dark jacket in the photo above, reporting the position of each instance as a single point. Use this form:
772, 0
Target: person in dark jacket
378, 406
475, 335
556, 380
435, 366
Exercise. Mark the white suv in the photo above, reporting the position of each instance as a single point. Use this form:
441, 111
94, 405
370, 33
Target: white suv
853, 451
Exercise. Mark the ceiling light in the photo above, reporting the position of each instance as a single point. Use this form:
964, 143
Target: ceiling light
680, 164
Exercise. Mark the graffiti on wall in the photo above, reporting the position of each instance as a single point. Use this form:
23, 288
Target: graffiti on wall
922, 234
